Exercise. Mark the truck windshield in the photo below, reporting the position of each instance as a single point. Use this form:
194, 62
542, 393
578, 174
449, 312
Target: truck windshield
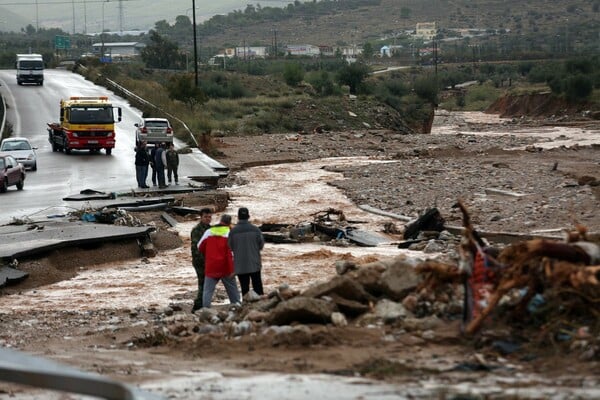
31, 64
91, 115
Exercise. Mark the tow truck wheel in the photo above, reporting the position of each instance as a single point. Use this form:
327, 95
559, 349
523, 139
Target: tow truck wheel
108, 152
67, 150
54, 147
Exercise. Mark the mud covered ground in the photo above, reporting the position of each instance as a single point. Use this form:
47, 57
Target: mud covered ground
103, 310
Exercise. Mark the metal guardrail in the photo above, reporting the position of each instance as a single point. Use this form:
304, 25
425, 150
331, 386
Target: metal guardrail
137, 98
3, 124
18, 367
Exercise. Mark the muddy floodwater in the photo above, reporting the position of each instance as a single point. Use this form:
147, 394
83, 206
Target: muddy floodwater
289, 194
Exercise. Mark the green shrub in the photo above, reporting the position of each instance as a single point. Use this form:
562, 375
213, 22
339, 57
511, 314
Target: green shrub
293, 74
426, 87
578, 87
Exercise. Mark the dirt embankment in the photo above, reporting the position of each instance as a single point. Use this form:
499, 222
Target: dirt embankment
541, 105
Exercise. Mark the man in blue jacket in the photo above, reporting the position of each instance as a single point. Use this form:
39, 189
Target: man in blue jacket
246, 241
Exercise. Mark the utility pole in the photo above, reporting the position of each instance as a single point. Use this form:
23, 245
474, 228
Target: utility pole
195, 43
435, 56
121, 16
84, 18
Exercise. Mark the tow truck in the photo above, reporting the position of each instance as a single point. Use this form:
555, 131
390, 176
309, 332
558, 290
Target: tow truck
85, 123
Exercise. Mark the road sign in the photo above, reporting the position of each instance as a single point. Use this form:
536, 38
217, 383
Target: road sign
62, 42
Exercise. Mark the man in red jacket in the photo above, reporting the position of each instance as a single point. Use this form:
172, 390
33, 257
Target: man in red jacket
218, 261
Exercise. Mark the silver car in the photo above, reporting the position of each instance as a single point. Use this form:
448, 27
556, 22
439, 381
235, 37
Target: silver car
22, 150
154, 131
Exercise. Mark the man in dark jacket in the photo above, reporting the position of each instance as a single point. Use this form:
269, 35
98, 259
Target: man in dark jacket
160, 163
172, 163
142, 159
152, 164
197, 256
246, 242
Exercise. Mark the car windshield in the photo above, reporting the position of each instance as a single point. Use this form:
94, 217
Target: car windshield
15, 145
31, 64
91, 115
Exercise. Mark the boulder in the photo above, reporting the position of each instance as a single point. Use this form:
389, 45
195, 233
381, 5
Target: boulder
339, 319
342, 286
369, 276
349, 307
390, 311
303, 310
400, 278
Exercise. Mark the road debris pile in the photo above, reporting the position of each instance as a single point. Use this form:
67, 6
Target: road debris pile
534, 292
546, 290
329, 225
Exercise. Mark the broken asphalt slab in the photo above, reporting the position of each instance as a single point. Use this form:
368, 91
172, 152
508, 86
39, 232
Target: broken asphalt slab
10, 275
29, 239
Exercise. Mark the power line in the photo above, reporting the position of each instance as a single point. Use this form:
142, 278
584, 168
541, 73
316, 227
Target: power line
23, 3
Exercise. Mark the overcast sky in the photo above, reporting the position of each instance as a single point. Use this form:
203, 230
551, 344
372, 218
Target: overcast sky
86, 15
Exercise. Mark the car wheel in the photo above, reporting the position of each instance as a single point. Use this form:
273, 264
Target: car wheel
34, 168
4, 185
20, 183
108, 152
67, 150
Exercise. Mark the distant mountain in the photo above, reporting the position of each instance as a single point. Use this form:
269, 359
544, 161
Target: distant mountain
118, 14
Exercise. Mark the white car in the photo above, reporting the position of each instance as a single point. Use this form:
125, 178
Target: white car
22, 150
154, 131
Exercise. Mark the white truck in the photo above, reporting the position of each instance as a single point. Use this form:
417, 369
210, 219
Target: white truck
30, 69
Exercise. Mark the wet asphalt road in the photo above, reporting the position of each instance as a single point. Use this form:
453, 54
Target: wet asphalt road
30, 108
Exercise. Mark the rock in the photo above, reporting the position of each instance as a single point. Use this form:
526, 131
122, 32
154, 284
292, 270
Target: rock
303, 310
255, 316
369, 276
400, 278
349, 307
343, 286
206, 314
339, 319
343, 266
434, 246
242, 328
420, 324
297, 335
410, 302
390, 311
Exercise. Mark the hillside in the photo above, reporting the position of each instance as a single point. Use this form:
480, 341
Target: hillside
386, 19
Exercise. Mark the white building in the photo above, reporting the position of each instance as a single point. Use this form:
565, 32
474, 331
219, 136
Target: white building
302, 50
251, 52
426, 30
119, 49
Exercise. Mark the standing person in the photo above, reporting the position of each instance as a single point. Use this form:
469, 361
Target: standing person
172, 163
246, 242
197, 257
218, 261
160, 163
152, 164
142, 159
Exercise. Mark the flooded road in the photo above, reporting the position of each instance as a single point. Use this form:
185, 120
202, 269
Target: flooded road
289, 194
452, 123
